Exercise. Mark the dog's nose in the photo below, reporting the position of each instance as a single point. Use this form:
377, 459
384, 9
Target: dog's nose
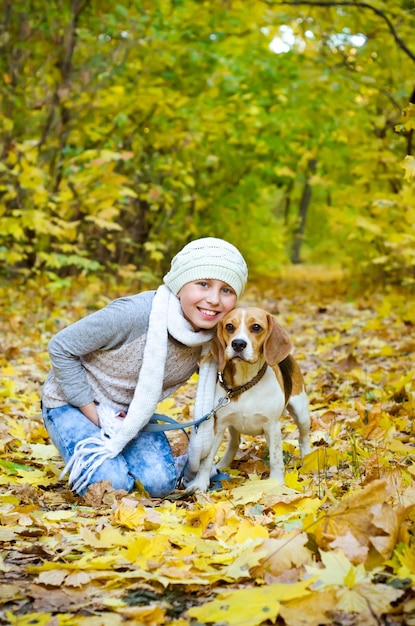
239, 344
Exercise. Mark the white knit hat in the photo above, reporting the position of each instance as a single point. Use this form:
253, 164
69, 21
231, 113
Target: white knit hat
207, 258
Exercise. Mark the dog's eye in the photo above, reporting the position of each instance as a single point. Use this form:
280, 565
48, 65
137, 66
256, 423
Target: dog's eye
256, 328
230, 328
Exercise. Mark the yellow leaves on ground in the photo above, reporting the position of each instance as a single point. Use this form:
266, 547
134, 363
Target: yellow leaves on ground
132, 516
179, 551
332, 545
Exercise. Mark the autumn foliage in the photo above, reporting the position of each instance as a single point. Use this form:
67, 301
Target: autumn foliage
334, 545
128, 128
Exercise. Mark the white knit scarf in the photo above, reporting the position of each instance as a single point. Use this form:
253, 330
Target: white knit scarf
166, 316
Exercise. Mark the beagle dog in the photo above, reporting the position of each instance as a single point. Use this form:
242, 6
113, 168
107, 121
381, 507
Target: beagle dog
258, 379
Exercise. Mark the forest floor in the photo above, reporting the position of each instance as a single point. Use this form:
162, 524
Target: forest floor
334, 545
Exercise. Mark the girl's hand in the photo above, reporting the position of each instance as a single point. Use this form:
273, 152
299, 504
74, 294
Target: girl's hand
90, 411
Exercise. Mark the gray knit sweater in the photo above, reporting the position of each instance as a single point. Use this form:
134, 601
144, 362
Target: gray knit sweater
99, 357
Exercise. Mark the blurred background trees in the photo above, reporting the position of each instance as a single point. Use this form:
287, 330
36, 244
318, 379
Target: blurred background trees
130, 127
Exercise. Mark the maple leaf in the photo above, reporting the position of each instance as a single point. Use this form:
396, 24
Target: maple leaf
281, 555
355, 592
102, 492
10, 592
40, 619
53, 577
43, 451
255, 489
320, 460
350, 547
141, 549
311, 610
107, 538
357, 514
388, 521
59, 516
77, 579
403, 562
210, 515
337, 570
239, 531
129, 514
250, 607
368, 597
153, 615
296, 482
244, 562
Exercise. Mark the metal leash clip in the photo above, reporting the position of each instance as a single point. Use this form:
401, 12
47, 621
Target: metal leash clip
221, 402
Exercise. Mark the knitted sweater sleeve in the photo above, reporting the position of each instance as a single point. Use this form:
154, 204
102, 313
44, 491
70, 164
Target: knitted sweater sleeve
120, 322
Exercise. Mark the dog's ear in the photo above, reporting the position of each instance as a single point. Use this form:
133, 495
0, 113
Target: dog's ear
277, 345
218, 347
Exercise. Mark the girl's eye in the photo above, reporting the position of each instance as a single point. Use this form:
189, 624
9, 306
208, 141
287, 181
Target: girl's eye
203, 283
256, 328
230, 328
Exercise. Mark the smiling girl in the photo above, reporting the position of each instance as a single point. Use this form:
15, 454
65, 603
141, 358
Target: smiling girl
111, 368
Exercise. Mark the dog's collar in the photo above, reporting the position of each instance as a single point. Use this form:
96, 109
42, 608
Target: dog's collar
235, 391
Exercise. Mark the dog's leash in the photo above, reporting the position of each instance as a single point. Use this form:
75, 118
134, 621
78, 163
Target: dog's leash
171, 424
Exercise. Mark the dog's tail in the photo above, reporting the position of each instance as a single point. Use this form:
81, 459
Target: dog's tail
287, 367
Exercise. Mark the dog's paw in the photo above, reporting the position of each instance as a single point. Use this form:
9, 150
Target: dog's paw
197, 485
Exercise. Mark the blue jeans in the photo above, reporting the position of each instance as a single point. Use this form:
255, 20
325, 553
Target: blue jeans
148, 457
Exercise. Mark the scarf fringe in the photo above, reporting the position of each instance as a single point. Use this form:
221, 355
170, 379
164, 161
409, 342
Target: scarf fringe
87, 458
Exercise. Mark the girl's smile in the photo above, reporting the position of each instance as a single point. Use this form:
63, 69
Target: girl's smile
205, 302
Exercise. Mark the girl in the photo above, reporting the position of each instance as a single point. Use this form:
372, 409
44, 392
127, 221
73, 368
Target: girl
111, 368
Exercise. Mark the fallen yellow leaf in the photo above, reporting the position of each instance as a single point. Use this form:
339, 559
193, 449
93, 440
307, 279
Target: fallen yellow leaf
248, 607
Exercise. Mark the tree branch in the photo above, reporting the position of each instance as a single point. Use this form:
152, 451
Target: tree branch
348, 3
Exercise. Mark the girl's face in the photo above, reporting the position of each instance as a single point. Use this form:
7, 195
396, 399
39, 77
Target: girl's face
205, 302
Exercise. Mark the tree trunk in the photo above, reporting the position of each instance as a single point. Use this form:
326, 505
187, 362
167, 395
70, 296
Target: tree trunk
302, 214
